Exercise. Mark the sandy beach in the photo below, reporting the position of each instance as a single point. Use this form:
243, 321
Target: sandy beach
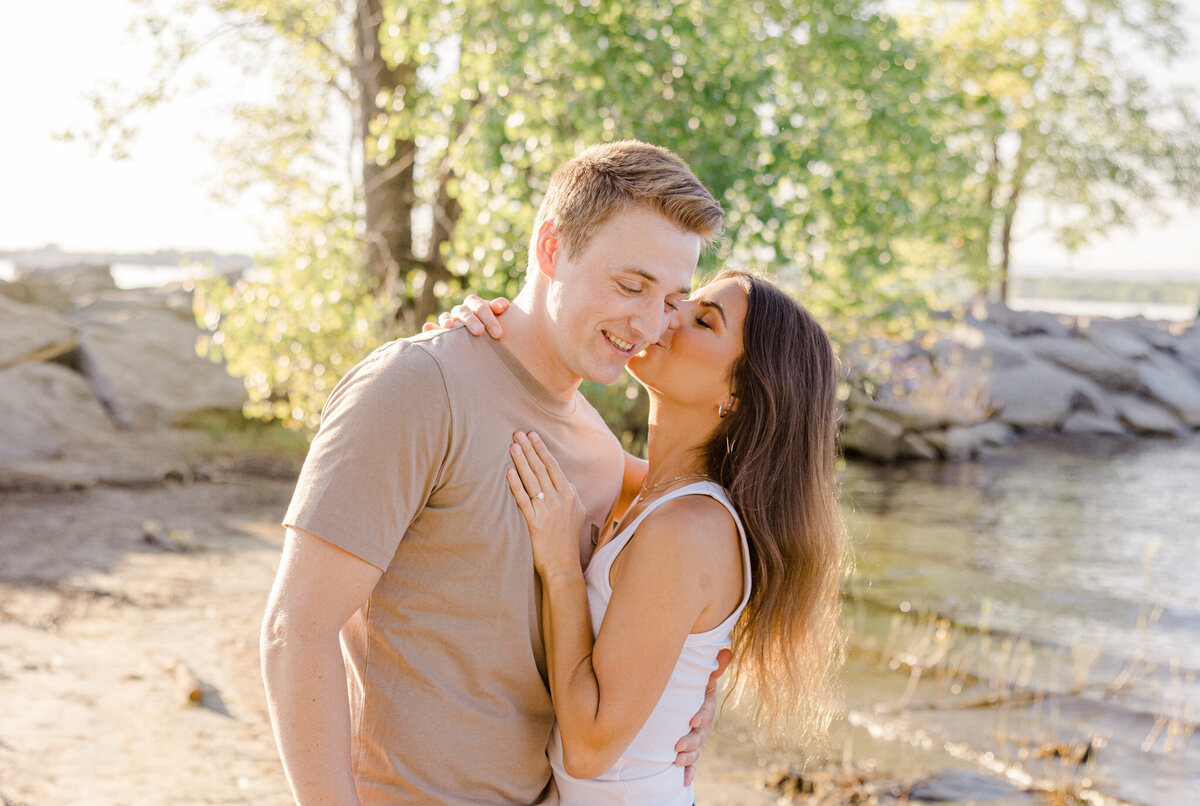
129, 658
129, 668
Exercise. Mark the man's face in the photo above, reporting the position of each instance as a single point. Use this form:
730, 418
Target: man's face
612, 299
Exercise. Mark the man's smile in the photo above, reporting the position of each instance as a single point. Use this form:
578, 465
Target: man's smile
625, 347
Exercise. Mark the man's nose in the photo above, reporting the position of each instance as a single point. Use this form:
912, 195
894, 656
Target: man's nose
652, 320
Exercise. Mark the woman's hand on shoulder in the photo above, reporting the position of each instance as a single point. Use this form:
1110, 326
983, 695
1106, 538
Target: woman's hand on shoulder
476, 313
550, 504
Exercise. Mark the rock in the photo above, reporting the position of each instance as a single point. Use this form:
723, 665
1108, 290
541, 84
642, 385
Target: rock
1145, 417
48, 409
1172, 384
912, 414
993, 432
1153, 332
872, 435
1086, 422
103, 304
1025, 323
76, 278
32, 334
58, 287
956, 443
144, 367
1187, 351
985, 349
914, 446
52, 476
42, 295
1118, 339
1041, 395
1108, 369
961, 786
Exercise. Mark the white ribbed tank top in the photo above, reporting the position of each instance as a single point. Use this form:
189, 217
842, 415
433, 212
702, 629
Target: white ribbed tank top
645, 774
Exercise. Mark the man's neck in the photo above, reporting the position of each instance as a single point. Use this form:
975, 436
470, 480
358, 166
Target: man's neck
524, 336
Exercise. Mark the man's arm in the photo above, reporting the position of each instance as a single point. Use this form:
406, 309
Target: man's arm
317, 589
688, 748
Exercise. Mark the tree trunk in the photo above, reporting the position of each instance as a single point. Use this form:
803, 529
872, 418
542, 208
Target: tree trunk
1005, 254
387, 176
1016, 185
990, 189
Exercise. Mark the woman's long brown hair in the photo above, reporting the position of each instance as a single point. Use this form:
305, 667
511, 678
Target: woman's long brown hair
775, 453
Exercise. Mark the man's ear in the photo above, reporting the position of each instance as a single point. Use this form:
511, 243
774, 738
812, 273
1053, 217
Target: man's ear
547, 248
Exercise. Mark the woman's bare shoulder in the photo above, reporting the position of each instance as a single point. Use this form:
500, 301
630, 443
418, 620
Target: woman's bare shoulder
697, 527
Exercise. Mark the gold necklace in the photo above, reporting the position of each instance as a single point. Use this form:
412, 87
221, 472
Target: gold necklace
643, 493
662, 485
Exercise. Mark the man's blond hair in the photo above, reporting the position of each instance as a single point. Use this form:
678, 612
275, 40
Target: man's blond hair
608, 179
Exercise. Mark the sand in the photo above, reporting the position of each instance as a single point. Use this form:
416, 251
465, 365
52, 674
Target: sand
129, 674
119, 609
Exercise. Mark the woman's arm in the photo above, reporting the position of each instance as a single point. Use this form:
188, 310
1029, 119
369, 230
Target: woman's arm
604, 691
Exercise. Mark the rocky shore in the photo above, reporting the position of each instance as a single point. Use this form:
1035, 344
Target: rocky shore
103, 385
1001, 374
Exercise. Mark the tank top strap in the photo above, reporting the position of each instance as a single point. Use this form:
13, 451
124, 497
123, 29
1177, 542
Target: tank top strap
604, 557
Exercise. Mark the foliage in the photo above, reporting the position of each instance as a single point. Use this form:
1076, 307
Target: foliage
872, 161
1057, 108
298, 324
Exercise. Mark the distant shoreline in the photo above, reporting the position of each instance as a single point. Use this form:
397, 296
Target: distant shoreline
49, 257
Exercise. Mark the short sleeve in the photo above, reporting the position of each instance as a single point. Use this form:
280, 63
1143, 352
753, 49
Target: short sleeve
377, 456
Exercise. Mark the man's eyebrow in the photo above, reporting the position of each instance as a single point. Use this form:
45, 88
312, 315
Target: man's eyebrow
651, 278
714, 305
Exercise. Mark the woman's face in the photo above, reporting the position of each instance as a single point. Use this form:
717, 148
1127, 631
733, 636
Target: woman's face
691, 362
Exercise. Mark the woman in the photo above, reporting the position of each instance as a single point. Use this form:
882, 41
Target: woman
734, 538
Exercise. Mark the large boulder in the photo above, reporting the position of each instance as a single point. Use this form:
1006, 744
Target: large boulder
915, 446
1157, 334
959, 443
28, 333
143, 365
59, 286
1145, 417
872, 435
1041, 395
1025, 323
1173, 385
104, 304
42, 296
1106, 368
1117, 338
956, 443
912, 414
1187, 350
1088, 422
49, 410
981, 347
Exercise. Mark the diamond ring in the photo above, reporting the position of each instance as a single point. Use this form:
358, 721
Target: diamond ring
541, 495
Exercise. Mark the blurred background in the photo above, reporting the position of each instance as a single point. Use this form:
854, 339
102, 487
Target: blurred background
212, 209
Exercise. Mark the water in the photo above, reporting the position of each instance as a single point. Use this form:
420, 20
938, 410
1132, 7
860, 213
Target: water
1058, 582
1112, 310
137, 275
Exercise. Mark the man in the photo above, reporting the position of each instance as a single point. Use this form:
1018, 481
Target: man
403, 539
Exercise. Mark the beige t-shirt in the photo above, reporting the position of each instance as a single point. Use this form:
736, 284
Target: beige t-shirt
446, 668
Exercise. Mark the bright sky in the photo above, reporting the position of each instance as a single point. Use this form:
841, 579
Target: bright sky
160, 198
